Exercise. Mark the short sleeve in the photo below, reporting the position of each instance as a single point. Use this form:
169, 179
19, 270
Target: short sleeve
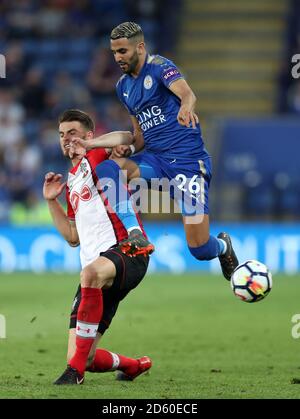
169, 73
96, 156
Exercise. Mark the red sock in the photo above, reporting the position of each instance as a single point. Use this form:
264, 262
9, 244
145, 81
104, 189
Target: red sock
88, 317
108, 361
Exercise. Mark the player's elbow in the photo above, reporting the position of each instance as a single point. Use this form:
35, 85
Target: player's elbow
128, 138
138, 140
194, 97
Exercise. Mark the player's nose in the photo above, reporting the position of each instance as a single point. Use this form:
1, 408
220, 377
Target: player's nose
118, 58
66, 137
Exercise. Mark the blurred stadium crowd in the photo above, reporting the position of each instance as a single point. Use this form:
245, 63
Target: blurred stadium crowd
57, 57
289, 97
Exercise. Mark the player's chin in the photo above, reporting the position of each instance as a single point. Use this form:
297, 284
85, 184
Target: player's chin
125, 68
66, 154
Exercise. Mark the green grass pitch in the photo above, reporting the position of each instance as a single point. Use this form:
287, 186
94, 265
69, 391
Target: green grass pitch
204, 342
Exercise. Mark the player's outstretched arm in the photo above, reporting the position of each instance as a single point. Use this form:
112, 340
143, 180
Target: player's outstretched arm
138, 142
138, 137
53, 187
186, 114
110, 140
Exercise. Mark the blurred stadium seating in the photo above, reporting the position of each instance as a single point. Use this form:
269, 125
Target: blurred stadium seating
56, 57
249, 104
259, 158
236, 58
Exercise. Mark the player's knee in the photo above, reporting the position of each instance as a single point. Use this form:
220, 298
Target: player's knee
88, 277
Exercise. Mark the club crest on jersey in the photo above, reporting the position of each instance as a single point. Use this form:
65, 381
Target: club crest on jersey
84, 195
84, 169
148, 82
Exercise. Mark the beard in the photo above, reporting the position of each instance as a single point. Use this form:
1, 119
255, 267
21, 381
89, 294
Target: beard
132, 64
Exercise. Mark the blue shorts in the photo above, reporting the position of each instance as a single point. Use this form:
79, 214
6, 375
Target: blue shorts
188, 179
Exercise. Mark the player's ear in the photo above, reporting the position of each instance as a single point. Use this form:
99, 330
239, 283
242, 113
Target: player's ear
140, 48
89, 135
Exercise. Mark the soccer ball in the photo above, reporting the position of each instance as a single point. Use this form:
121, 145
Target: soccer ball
251, 281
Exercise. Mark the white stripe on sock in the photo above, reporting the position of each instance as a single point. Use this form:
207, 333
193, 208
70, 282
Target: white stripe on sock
116, 361
134, 228
225, 246
86, 330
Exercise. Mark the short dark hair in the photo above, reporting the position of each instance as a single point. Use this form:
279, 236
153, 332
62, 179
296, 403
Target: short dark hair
127, 30
77, 115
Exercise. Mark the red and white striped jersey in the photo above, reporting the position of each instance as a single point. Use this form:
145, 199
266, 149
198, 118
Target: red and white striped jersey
98, 228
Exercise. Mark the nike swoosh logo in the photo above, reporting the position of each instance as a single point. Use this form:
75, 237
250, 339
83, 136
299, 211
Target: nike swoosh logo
173, 161
125, 94
80, 381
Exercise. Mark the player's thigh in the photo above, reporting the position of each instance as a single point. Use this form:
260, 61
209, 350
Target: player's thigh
72, 346
132, 168
191, 192
129, 271
143, 165
196, 229
148, 164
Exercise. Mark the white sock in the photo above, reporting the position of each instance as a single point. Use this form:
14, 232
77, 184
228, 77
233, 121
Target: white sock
134, 228
224, 246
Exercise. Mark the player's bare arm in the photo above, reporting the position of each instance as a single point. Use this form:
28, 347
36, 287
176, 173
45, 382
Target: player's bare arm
138, 142
52, 189
186, 114
107, 141
138, 138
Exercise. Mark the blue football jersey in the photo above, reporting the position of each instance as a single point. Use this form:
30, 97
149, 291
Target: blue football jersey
148, 98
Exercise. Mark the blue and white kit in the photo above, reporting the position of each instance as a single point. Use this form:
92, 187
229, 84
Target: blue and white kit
171, 150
